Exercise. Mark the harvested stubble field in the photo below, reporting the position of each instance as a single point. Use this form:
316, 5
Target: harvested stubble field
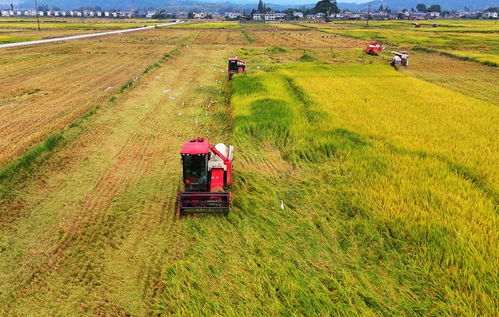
388, 179
13, 30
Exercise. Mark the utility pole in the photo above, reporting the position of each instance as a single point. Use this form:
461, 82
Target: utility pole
368, 13
37, 17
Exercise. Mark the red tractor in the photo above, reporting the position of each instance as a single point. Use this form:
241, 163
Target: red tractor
236, 66
374, 48
207, 172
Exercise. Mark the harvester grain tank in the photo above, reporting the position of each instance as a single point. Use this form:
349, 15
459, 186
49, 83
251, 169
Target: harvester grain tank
400, 58
374, 48
235, 66
207, 174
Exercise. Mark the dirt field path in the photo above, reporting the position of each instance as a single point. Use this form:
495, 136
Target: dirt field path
90, 235
83, 36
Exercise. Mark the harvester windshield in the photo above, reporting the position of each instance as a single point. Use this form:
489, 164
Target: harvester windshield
195, 172
233, 65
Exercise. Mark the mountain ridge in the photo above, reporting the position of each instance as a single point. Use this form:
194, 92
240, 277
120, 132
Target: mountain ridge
131, 4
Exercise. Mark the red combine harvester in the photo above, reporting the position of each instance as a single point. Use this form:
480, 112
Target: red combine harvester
374, 48
207, 172
236, 66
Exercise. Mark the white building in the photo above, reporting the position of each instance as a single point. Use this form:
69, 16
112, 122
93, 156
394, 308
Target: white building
490, 15
298, 14
233, 15
269, 16
199, 15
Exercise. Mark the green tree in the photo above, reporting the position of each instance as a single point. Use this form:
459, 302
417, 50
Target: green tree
327, 7
435, 8
421, 7
190, 15
381, 7
261, 7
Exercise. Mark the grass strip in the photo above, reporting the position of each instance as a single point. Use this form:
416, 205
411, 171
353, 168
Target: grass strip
247, 37
463, 58
27, 159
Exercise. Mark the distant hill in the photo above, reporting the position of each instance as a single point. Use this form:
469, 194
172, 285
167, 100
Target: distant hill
408, 4
277, 4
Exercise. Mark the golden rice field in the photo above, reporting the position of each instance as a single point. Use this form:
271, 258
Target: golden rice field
358, 190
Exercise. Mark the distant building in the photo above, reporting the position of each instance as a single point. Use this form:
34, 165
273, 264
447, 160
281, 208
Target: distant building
199, 15
298, 15
269, 16
233, 15
433, 15
490, 15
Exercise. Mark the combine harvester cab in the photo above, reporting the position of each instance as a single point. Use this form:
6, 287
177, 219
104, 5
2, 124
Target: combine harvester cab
236, 66
374, 48
207, 173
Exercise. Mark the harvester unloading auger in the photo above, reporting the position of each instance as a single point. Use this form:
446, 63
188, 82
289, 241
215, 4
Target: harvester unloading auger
207, 173
400, 58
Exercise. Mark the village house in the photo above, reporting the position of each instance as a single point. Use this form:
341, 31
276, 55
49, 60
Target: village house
433, 15
199, 15
269, 16
298, 15
233, 15
490, 15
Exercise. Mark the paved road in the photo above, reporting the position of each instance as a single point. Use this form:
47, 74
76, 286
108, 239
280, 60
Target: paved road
84, 36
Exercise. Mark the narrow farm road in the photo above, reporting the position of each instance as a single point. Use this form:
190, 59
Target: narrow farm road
91, 233
83, 36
